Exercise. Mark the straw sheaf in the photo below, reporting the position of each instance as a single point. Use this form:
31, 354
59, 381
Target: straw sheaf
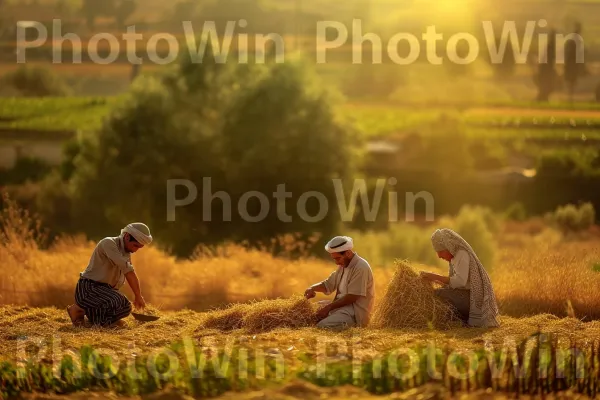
227, 319
263, 316
409, 302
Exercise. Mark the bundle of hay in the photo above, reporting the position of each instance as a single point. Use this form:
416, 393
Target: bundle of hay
263, 316
409, 302
227, 319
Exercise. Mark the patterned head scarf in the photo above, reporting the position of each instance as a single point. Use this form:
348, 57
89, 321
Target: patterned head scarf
483, 307
139, 231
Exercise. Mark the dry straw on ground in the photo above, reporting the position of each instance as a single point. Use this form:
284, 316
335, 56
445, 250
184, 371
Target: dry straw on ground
409, 302
150, 309
227, 319
262, 316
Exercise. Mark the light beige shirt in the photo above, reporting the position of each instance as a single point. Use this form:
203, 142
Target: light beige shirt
357, 279
109, 262
459, 270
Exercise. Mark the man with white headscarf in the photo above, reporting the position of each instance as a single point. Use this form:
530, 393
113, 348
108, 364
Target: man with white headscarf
352, 283
97, 293
468, 286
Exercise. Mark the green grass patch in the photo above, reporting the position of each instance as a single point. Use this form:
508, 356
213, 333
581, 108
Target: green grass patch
569, 136
535, 121
374, 120
16, 108
89, 118
380, 121
59, 114
552, 105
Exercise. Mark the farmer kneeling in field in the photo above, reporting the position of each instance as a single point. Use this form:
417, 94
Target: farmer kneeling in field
353, 284
97, 293
468, 287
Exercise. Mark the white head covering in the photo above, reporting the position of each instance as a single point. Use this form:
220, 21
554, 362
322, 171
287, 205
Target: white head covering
339, 244
139, 231
447, 239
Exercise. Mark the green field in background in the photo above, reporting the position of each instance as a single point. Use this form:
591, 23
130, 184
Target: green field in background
373, 120
60, 114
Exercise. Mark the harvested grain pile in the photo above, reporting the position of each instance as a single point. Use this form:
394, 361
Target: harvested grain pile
227, 319
409, 302
263, 316
150, 310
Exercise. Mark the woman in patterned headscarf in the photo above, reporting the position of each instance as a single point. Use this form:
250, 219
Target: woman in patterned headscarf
469, 287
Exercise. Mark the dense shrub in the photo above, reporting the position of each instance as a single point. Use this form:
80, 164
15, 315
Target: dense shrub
570, 218
516, 212
490, 219
406, 241
36, 82
474, 226
587, 215
400, 241
247, 127
25, 169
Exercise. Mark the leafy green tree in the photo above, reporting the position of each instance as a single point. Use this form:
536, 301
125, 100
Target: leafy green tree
245, 126
158, 133
284, 130
36, 81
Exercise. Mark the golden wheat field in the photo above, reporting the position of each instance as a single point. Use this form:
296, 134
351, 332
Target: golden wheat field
535, 273
234, 295
536, 278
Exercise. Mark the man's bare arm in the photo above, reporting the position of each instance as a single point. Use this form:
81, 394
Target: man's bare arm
134, 283
317, 287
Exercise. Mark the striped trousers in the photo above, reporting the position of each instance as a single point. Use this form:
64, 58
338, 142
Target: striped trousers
103, 305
